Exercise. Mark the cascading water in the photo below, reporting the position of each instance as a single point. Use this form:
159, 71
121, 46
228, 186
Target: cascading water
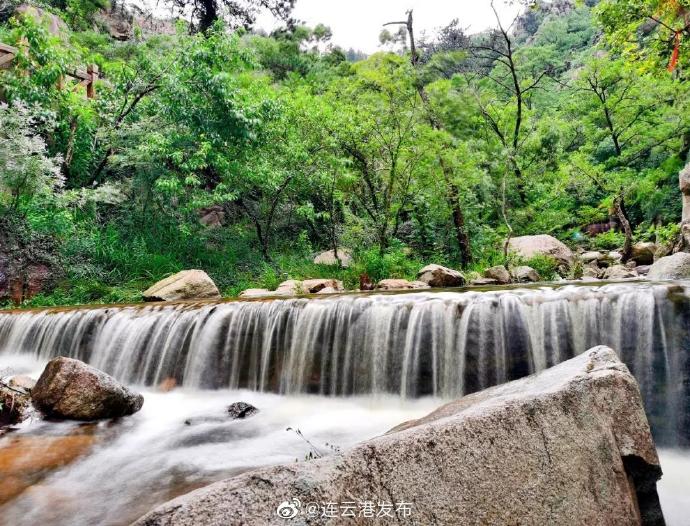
341, 368
442, 344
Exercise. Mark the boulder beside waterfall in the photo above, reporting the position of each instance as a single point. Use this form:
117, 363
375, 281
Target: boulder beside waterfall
570, 445
74, 390
542, 245
185, 285
438, 276
676, 266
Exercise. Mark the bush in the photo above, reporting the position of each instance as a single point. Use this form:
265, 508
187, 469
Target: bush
610, 240
546, 266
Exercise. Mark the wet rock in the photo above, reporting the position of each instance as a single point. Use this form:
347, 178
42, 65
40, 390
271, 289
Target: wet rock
344, 258
313, 286
525, 274
438, 277
643, 253
15, 405
328, 290
619, 272
74, 390
185, 285
572, 442
22, 382
542, 245
240, 410
676, 266
499, 273
26, 460
401, 284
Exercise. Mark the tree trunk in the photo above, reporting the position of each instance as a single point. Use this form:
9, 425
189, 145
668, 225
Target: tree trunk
619, 207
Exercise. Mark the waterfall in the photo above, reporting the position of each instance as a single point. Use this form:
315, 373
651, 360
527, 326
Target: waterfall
443, 343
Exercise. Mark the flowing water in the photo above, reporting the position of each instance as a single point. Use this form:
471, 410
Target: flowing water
342, 368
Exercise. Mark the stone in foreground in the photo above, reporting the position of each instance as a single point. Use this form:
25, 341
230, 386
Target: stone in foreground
676, 266
438, 277
74, 390
543, 245
185, 285
570, 446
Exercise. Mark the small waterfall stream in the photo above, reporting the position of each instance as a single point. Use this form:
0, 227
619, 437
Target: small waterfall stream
442, 344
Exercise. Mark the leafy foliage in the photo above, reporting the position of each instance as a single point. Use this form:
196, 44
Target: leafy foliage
292, 146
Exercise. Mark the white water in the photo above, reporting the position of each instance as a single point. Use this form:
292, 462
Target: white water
388, 349
150, 457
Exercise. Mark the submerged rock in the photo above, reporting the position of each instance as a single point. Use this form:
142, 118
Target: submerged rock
568, 446
438, 277
484, 282
239, 410
185, 285
74, 390
542, 245
498, 273
676, 266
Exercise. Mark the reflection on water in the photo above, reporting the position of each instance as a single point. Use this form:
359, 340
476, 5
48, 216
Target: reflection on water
153, 456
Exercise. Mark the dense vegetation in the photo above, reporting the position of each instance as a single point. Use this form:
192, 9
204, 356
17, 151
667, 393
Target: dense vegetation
437, 154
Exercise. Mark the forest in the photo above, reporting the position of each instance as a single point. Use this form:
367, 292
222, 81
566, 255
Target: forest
208, 144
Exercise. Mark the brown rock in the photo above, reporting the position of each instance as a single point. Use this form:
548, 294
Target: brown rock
185, 285
570, 446
313, 286
15, 404
438, 277
499, 273
26, 460
643, 253
74, 390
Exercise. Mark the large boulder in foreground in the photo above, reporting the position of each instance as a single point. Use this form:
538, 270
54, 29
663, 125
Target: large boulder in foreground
438, 276
185, 285
74, 390
542, 245
570, 446
676, 266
